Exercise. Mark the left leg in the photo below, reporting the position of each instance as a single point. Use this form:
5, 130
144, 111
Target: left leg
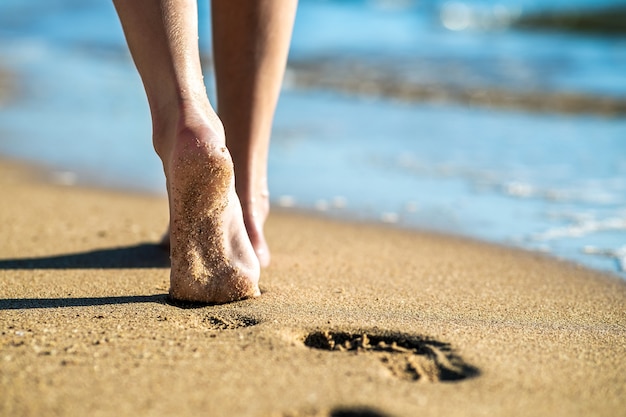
250, 44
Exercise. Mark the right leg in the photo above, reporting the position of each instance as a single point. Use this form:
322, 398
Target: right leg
212, 258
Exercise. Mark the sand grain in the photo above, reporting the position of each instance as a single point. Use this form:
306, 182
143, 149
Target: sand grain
86, 328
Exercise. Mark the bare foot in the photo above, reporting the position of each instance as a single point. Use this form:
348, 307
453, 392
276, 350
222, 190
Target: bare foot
255, 212
212, 258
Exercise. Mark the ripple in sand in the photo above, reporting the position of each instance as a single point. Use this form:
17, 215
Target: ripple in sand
224, 322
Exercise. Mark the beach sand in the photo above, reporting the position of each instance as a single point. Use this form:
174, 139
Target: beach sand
354, 320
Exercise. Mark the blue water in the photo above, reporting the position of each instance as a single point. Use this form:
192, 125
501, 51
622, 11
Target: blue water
550, 182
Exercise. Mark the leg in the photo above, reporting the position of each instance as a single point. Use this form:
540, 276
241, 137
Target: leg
212, 258
250, 43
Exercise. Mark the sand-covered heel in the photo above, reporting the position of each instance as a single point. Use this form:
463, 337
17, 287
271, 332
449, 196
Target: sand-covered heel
206, 266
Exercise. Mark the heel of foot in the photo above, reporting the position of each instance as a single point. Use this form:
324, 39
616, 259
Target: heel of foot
201, 172
201, 190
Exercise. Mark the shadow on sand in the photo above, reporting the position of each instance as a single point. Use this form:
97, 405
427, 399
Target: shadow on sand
30, 303
144, 255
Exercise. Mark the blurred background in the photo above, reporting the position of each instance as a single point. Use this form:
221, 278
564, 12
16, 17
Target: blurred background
499, 120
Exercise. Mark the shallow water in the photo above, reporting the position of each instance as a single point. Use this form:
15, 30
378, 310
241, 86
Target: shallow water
543, 181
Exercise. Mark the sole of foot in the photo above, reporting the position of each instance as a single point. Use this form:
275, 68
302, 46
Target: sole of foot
255, 233
211, 255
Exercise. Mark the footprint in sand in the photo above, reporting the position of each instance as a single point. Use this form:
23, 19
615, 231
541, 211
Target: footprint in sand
408, 357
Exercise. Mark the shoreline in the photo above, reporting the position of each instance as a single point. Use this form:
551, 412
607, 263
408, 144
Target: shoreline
58, 177
353, 318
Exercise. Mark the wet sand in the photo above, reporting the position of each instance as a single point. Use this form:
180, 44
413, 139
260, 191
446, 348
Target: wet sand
354, 320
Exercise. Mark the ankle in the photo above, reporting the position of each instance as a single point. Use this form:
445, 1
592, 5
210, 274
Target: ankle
183, 121
252, 187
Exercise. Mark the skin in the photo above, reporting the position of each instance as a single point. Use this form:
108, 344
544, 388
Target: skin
250, 43
216, 167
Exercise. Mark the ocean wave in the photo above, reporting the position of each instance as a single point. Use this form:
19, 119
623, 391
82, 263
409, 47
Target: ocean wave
396, 81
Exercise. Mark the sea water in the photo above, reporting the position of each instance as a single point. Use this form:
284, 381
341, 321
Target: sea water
542, 180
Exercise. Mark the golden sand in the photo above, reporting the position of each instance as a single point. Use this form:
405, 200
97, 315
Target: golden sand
354, 320
201, 183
